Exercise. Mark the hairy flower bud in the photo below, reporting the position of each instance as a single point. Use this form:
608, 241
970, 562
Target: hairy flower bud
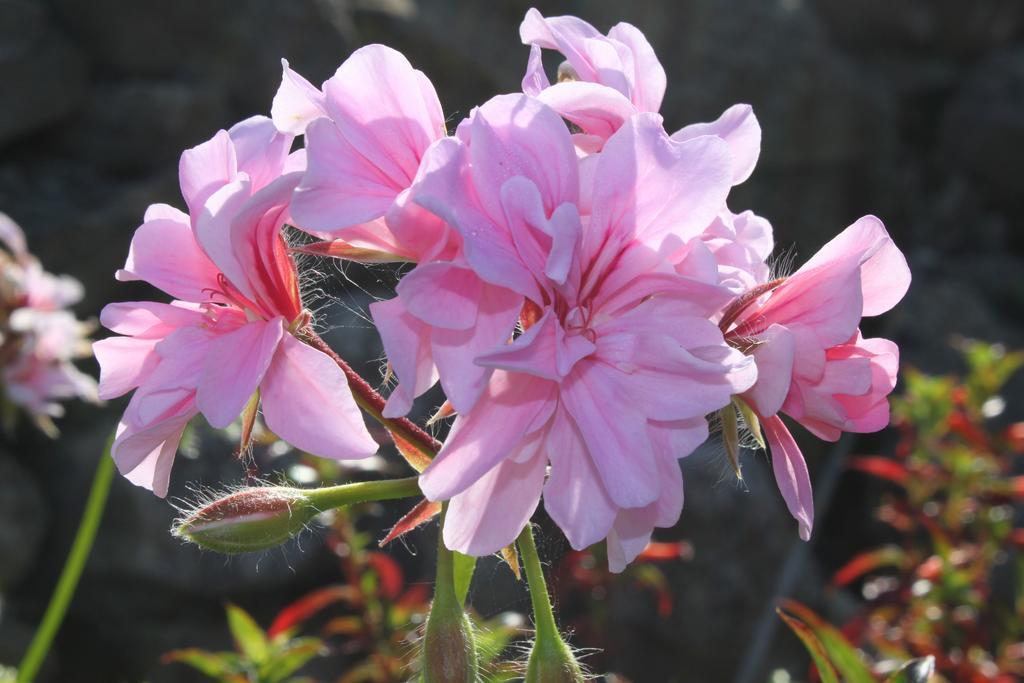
449, 651
252, 519
552, 661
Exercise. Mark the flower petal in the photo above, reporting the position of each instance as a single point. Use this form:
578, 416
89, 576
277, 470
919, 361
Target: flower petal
790, 473
234, 368
307, 402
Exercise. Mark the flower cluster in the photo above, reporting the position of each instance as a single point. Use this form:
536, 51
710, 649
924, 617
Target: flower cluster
581, 290
39, 337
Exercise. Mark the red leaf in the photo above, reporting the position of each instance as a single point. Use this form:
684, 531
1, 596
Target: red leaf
660, 551
861, 564
422, 512
391, 579
307, 606
884, 468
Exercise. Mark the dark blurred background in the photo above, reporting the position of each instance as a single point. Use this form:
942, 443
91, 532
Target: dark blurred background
912, 110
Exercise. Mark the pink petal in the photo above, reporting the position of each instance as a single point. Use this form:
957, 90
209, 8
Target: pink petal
574, 496
596, 109
213, 231
260, 148
513, 407
259, 250
145, 456
455, 351
442, 294
235, 366
296, 103
544, 350
774, 355
307, 402
341, 188
737, 126
649, 79
124, 364
164, 253
446, 190
629, 536
884, 274
651, 187
206, 168
387, 110
148, 319
790, 474
535, 79
489, 515
13, 237
406, 341
615, 433
515, 135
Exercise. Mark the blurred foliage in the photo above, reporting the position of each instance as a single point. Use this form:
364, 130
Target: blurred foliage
585, 589
371, 621
952, 588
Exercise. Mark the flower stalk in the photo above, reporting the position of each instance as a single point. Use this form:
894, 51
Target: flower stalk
449, 649
72, 571
262, 517
551, 659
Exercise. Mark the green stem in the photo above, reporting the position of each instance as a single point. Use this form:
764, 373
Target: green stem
543, 614
73, 567
332, 497
449, 648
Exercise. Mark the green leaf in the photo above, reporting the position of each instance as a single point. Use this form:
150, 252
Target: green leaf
213, 664
463, 569
914, 671
249, 637
289, 658
813, 645
843, 656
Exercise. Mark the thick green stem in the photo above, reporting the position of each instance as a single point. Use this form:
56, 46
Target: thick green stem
449, 649
543, 614
73, 567
332, 497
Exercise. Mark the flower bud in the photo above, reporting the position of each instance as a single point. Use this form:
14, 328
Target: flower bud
249, 520
552, 661
449, 651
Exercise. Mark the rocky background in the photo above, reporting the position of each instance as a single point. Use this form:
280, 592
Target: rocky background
911, 110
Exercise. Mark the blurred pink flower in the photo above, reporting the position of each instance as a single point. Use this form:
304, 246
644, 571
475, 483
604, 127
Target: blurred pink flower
812, 362
232, 331
617, 362
39, 339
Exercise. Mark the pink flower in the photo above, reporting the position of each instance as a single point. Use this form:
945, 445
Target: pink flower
365, 138
232, 332
812, 362
608, 78
39, 339
366, 132
741, 245
617, 363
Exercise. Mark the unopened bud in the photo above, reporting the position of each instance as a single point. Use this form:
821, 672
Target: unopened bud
449, 651
249, 520
552, 661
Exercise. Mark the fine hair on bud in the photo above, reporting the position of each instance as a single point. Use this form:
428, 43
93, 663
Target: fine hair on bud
250, 519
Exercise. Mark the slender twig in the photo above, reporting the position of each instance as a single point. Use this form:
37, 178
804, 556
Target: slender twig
73, 566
